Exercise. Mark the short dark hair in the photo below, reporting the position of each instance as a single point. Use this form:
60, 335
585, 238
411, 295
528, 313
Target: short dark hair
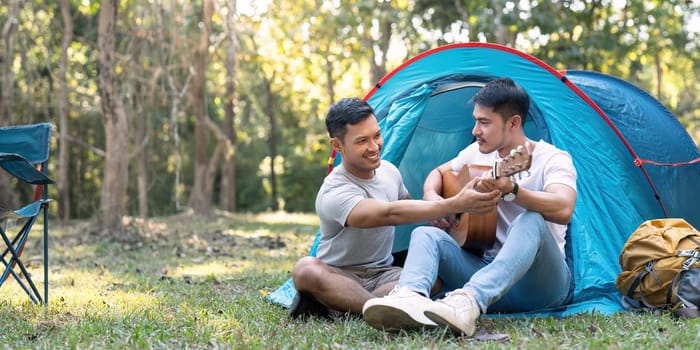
346, 111
505, 96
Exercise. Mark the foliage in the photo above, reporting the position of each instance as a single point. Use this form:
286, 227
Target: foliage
192, 282
292, 60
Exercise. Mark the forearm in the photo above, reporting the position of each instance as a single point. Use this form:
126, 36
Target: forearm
373, 213
555, 206
416, 211
432, 188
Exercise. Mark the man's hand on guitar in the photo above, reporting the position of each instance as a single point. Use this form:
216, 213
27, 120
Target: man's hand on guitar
487, 183
471, 200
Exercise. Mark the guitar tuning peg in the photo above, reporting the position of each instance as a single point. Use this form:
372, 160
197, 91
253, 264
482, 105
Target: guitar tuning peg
512, 153
520, 149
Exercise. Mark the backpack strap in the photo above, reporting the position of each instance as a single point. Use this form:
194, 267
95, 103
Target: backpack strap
648, 269
674, 286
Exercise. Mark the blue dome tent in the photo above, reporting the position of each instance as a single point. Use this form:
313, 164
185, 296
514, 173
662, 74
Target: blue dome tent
634, 160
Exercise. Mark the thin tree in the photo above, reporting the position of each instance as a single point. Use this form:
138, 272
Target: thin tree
269, 108
115, 180
202, 188
166, 49
63, 108
142, 127
227, 196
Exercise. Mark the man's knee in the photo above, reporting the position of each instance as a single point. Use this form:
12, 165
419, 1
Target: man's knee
427, 237
427, 233
534, 221
529, 217
306, 273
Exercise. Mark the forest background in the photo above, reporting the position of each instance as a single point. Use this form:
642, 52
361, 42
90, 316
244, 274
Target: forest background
165, 106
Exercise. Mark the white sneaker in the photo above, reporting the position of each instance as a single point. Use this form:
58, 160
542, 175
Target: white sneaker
458, 310
401, 309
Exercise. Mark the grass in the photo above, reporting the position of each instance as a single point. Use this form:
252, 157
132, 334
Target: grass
186, 282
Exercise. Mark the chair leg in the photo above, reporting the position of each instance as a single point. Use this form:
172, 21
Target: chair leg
46, 249
15, 261
14, 243
9, 270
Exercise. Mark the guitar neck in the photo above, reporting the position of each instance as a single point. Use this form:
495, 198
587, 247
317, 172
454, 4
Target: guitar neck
517, 161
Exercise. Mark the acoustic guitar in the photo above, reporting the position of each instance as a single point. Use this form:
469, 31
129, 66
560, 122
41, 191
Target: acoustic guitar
478, 231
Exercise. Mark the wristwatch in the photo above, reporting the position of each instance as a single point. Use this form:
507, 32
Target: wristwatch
510, 196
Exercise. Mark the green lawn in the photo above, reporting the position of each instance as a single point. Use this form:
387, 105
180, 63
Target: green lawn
187, 282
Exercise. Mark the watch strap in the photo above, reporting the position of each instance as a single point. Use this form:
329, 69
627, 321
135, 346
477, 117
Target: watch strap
510, 196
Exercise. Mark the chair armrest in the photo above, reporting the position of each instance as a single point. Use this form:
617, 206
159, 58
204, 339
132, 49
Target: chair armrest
28, 211
20, 168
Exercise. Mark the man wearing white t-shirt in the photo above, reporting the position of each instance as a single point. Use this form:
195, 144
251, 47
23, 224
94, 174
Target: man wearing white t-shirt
358, 205
526, 267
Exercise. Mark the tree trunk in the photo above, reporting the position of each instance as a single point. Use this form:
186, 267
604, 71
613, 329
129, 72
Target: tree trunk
501, 30
141, 139
7, 198
227, 196
201, 196
330, 82
272, 143
167, 49
115, 181
63, 109
378, 64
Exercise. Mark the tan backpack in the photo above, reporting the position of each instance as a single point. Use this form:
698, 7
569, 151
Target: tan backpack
661, 268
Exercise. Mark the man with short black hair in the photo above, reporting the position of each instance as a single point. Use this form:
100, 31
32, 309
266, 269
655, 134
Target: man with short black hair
359, 204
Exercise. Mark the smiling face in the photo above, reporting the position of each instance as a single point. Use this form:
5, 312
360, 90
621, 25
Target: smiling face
361, 147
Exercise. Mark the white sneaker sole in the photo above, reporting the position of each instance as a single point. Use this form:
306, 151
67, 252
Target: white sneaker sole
391, 319
441, 321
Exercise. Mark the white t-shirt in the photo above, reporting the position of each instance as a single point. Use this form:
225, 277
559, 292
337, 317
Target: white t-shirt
549, 165
345, 246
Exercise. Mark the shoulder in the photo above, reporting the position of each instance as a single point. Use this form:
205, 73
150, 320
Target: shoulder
388, 167
335, 174
337, 178
336, 188
555, 164
548, 151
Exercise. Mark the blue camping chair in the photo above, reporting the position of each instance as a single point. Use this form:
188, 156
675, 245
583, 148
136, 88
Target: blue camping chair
22, 148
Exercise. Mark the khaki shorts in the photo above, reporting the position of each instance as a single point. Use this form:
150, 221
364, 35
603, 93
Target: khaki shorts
370, 278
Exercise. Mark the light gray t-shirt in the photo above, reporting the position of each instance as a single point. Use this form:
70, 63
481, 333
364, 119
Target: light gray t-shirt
549, 165
344, 246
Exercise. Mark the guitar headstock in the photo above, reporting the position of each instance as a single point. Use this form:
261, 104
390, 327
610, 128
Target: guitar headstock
518, 160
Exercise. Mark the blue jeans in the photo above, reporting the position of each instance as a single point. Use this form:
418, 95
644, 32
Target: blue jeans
528, 273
